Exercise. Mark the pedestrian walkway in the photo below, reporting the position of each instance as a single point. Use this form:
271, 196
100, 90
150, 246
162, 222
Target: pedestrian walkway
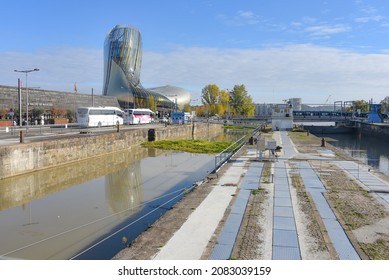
191, 239
288, 248
226, 241
285, 236
370, 182
316, 189
189, 242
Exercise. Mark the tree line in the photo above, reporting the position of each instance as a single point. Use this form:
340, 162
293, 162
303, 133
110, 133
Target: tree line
363, 106
225, 103
237, 102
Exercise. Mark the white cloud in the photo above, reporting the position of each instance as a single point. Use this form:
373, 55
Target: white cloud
369, 13
246, 14
247, 17
326, 30
59, 69
375, 18
273, 74
270, 74
241, 18
308, 20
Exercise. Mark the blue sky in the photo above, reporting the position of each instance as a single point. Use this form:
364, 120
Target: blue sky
319, 50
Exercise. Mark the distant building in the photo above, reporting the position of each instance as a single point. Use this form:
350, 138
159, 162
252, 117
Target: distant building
179, 96
296, 103
49, 99
122, 66
282, 117
121, 85
263, 110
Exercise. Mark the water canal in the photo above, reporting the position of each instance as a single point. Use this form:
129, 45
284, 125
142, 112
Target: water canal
370, 150
89, 209
367, 149
61, 212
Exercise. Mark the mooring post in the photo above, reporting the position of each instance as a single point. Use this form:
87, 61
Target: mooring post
21, 136
323, 142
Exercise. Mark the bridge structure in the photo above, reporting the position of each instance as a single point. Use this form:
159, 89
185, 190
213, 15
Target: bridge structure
313, 116
327, 116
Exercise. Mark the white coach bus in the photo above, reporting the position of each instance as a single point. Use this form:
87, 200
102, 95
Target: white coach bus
99, 116
138, 116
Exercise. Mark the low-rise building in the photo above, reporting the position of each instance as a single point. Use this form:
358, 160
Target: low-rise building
282, 116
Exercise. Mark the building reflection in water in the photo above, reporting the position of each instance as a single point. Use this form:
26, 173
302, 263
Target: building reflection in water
123, 189
22, 189
60, 212
51, 214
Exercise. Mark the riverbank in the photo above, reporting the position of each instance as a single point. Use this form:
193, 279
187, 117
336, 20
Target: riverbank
28, 157
149, 243
362, 214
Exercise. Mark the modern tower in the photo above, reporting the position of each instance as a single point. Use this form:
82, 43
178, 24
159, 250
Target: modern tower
122, 65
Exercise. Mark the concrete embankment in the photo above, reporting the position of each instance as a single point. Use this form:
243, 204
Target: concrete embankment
376, 129
23, 158
363, 128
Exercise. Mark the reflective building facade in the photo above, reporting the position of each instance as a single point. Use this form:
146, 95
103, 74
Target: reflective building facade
178, 95
122, 66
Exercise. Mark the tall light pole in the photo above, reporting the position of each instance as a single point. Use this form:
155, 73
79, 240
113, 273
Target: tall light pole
26, 72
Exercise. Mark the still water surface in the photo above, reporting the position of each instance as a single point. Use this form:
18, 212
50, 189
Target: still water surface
85, 210
371, 150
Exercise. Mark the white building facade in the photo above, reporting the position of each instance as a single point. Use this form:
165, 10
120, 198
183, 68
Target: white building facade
282, 117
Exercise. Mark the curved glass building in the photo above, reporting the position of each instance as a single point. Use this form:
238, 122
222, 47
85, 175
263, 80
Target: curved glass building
122, 64
178, 95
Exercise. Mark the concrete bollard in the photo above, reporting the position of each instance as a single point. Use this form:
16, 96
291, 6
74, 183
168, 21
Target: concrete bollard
323, 142
151, 134
21, 136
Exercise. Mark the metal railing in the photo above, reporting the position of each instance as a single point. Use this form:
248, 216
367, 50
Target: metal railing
36, 130
227, 153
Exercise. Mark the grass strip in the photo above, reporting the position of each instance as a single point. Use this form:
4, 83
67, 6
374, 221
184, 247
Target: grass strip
191, 146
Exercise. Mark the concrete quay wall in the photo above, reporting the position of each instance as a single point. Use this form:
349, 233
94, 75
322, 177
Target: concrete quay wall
373, 129
24, 158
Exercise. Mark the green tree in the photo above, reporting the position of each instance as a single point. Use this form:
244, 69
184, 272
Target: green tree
361, 105
241, 102
385, 105
210, 97
37, 112
187, 108
71, 115
224, 100
200, 111
3, 113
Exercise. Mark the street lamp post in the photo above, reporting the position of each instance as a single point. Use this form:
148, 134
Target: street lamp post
26, 72
137, 81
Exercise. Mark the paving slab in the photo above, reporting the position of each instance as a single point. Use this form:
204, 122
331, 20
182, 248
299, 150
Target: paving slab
189, 241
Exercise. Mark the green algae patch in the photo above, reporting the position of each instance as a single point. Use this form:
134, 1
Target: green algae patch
235, 127
191, 146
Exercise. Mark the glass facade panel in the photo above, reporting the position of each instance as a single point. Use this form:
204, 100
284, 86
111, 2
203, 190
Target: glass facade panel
122, 65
